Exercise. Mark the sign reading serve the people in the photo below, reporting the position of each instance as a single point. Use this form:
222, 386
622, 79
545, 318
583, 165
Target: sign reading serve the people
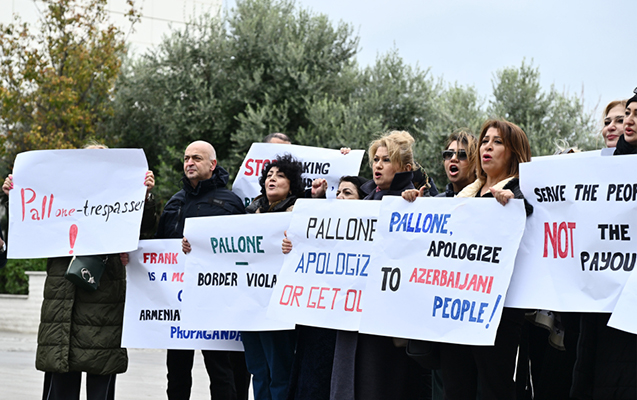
322, 282
578, 248
153, 309
76, 202
442, 269
317, 163
232, 270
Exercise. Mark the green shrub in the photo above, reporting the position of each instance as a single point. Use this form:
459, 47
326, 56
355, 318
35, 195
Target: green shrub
13, 280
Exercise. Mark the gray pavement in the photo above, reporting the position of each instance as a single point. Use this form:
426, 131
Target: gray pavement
145, 378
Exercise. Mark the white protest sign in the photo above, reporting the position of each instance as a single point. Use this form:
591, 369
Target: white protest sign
577, 249
323, 279
232, 270
317, 162
624, 315
443, 268
76, 202
153, 310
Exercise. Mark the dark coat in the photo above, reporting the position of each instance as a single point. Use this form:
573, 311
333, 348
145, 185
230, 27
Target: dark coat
448, 191
209, 198
380, 369
81, 330
606, 364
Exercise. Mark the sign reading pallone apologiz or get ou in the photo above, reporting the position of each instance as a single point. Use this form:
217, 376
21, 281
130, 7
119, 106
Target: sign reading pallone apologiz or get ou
76, 202
322, 282
317, 162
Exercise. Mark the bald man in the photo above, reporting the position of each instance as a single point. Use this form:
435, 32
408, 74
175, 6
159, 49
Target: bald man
204, 194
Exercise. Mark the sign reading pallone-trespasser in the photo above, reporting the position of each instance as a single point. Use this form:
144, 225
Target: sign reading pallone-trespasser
442, 268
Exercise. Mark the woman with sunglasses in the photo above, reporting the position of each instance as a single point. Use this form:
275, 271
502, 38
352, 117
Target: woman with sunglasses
613, 122
459, 158
502, 147
606, 364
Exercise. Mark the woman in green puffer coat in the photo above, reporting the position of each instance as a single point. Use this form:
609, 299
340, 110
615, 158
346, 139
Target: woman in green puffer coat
81, 331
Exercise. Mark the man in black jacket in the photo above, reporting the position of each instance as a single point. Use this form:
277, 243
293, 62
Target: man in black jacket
203, 194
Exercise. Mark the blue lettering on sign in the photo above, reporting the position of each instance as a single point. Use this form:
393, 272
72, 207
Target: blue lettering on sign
429, 223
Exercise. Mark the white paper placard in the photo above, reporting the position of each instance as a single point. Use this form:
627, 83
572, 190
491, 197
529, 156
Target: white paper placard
76, 202
153, 311
328, 164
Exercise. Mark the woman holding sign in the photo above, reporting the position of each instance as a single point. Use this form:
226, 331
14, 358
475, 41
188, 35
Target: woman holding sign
606, 364
375, 367
81, 330
269, 355
502, 147
613, 122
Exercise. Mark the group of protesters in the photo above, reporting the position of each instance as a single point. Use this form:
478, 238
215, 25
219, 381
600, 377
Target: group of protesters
537, 353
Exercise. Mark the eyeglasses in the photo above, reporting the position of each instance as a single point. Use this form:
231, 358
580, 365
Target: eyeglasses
448, 155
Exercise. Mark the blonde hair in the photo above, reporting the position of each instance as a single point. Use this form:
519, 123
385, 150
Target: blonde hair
399, 147
93, 144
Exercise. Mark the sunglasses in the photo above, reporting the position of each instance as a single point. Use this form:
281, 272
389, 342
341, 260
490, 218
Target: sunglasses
448, 155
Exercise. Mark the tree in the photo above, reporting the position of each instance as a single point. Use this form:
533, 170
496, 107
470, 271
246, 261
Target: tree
231, 81
56, 82
544, 116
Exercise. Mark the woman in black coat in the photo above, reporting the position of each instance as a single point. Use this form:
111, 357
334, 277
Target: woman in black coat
373, 367
606, 364
502, 147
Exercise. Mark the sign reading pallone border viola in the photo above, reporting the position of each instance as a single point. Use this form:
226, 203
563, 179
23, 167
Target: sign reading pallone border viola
76, 202
153, 310
578, 248
232, 270
317, 162
442, 269
322, 282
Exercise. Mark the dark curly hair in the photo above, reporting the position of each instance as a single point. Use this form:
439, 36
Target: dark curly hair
291, 167
357, 181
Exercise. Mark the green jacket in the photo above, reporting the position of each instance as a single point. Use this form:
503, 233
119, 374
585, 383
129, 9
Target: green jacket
81, 330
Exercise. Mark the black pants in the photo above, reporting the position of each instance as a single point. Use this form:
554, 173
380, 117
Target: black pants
493, 366
66, 386
179, 363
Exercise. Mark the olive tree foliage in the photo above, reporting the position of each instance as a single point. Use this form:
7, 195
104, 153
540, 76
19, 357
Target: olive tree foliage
545, 116
56, 79
231, 80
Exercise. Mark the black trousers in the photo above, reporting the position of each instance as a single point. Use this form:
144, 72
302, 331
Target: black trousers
493, 366
179, 363
66, 386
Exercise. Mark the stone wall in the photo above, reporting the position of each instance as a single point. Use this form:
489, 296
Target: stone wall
21, 313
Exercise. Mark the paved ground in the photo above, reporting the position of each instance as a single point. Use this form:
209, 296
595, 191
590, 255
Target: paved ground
145, 378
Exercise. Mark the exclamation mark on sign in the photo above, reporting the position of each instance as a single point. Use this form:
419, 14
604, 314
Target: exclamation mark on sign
72, 236
494, 308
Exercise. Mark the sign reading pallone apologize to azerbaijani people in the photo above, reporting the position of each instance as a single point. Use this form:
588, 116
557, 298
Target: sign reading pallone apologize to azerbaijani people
317, 162
322, 282
76, 202
153, 310
232, 270
442, 268
578, 248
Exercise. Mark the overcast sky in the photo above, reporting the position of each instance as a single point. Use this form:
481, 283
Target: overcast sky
578, 45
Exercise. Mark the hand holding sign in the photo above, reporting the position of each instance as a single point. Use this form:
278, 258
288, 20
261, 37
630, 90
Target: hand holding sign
58, 209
